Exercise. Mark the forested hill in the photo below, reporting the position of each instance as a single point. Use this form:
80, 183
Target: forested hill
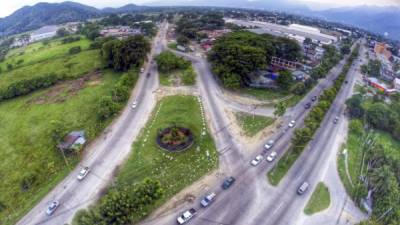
41, 14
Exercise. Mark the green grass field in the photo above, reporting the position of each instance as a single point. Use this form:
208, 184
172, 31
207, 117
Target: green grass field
25, 143
251, 125
180, 77
320, 200
264, 94
175, 171
38, 52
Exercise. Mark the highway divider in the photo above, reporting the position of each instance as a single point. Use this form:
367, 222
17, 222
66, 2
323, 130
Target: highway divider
312, 122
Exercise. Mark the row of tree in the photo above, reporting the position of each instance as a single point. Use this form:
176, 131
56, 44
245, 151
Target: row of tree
236, 55
313, 120
122, 206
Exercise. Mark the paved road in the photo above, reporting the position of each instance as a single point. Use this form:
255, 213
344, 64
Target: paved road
104, 155
251, 199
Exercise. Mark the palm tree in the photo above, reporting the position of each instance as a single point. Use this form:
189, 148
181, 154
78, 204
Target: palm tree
380, 179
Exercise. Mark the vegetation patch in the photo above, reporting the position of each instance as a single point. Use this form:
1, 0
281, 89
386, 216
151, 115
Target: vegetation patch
320, 200
175, 70
25, 138
252, 124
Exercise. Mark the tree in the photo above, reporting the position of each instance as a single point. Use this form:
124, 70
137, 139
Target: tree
280, 109
58, 130
285, 80
62, 32
354, 106
168, 61
107, 108
182, 40
122, 55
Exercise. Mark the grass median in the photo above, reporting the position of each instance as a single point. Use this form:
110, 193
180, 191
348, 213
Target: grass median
319, 201
178, 170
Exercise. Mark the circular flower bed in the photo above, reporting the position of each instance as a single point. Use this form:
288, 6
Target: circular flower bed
175, 139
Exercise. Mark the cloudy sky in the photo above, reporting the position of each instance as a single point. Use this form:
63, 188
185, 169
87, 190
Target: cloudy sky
7, 7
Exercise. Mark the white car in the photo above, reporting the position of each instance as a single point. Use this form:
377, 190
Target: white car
271, 157
206, 201
292, 123
269, 144
142, 70
134, 104
52, 207
83, 173
186, 216
257, 160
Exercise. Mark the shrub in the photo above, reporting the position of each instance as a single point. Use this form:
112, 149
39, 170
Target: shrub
107, 108
75, 50
70, 39
28, 181
189, 76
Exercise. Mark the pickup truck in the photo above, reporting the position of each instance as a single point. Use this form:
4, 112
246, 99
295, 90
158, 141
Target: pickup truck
186, 216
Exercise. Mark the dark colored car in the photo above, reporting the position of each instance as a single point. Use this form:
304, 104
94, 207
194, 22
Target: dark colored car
148, 75
228, 183
314, 98
307, 106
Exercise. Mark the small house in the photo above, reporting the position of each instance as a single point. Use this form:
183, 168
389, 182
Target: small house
73, 141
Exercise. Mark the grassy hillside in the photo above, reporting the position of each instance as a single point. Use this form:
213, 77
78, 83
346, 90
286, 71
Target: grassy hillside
54, 58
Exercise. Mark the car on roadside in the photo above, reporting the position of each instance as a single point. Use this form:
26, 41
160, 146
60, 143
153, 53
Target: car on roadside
142, 70
186, 216
269, 144
314, 98
271, 156
336, 120
83, 173
228, 183
307, 106
52, 207
148, 75
134, 104
256, 160
292, 123
206, 201
303, 188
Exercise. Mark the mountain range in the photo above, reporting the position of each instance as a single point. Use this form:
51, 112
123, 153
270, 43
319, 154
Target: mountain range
380, 20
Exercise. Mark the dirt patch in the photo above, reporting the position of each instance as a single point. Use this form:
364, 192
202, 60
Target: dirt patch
61, 91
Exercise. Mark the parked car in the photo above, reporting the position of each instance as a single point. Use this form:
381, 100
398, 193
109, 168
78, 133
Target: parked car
142, 70
314, 98
272, 156
257, 160
269, 144
206, 201
83, 173
186, 216
228, 183
303, 188
292, 123
52, 207
336, 120
134, 104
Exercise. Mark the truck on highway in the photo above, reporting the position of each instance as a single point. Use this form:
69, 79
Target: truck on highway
186, 216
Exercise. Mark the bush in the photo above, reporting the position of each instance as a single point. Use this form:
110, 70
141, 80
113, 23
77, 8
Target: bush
70, 39
107, 108
28, 181
24, 87
168, 61
75, 50
189, 76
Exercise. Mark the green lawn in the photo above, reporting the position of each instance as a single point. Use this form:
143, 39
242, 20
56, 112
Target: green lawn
251, 124
320, 200
283, 165
175, 171
25, 144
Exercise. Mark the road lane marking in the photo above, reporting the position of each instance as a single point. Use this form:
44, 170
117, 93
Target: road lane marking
277, 208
